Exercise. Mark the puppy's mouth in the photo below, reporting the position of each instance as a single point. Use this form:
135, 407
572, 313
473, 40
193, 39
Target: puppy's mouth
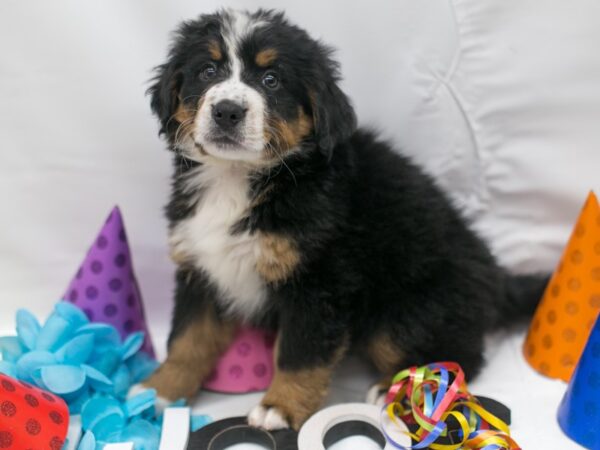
226, 142
226, 146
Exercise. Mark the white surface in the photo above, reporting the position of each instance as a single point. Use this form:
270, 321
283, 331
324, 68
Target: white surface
119, 446
500, 99
176, 429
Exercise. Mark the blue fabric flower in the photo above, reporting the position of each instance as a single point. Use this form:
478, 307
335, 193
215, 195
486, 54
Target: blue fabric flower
92, 369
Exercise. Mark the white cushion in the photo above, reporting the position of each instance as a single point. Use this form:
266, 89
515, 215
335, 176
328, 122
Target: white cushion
512, 126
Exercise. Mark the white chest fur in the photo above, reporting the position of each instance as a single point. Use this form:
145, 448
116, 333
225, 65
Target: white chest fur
205, 238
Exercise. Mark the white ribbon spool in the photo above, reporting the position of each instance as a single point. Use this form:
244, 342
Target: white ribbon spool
120, 446
345, 420
176, 429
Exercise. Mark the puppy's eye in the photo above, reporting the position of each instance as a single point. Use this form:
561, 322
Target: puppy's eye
270, 80
208, 71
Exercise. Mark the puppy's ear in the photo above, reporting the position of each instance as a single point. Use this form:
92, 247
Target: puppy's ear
166, 85
333, 115
164, 93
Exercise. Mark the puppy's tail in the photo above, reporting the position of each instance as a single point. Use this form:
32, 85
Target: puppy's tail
523, 293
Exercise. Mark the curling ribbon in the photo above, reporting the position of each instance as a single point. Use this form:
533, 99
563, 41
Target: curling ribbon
430, 396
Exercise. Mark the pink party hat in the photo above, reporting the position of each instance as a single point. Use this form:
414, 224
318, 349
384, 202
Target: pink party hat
246, 366
105, 286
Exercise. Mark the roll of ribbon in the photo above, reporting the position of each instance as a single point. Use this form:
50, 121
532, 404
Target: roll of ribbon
224, 433
335, 423
30, 417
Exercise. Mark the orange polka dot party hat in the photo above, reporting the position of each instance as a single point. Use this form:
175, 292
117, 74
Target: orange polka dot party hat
564, 318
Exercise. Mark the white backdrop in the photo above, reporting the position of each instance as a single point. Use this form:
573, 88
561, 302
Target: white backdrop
499, 99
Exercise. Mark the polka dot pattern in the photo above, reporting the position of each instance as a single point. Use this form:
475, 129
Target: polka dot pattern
33, 427
32, 401
56, 443
246, 366
6, 439
48, 397
579, 412
571, 304
7, 385
105, 286
30, 418
56, 417
8, 409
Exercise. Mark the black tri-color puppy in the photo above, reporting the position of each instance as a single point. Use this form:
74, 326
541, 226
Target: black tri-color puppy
283, 214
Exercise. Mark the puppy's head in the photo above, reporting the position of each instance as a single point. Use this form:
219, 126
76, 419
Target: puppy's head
249, 87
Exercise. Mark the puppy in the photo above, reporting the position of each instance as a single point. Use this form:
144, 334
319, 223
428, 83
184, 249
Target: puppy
283, 214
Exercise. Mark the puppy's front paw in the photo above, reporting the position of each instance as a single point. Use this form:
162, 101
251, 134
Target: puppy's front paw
267, 418
161, 403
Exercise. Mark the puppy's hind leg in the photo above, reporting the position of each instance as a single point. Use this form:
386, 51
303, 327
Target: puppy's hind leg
388, 358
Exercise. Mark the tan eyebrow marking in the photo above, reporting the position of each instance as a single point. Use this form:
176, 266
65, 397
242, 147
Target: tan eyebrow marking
215, 50
265, 57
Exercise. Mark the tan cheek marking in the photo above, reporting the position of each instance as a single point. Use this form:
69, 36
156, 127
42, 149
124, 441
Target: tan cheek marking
265, 57
185, 116
182, 114
285, 135
385, 354
214, 49
192, 356
278, 258
178, 257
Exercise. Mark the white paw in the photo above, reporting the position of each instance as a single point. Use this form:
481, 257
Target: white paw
159, 406
376, 395
268, 418
257, 416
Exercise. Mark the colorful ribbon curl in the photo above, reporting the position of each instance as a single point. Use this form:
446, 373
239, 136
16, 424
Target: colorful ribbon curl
430, 396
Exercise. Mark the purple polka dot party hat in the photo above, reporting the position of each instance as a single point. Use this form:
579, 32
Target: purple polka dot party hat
579, 411
105, 286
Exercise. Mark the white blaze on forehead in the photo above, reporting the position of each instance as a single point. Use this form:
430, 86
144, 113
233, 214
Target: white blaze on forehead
236, 26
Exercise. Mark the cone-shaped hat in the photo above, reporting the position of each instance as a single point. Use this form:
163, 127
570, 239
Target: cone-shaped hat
246, 366
570, 306
579, 411
105, 286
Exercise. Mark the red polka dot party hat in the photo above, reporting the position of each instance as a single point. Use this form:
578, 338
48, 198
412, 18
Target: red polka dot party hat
30, 418
565, 316
105, 286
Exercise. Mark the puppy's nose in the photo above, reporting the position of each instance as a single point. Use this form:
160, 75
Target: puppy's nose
228, 114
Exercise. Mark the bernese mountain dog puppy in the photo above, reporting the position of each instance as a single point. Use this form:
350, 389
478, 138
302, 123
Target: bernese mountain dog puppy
284, 215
